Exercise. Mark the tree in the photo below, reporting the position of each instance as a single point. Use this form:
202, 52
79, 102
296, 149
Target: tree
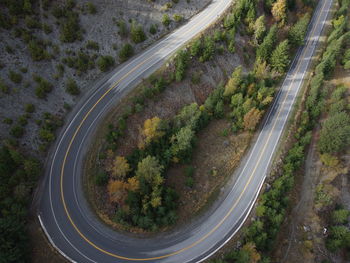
340, 216
149, 173
188, 116
298, 31
259, 29
181, 142
233, 82
253, 253
280, 57
251, 119
133, 184
335, 133
153, 129
119, 168
117, 191
278, 11
265, 48
150, 170
261, 69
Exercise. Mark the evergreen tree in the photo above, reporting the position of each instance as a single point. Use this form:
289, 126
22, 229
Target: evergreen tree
280, 57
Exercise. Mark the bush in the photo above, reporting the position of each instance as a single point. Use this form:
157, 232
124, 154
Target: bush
17, 131
123, 30
153, 29
72, 87
101, 178
43, 87
126, 52
91, 8
105, 63
69, 28
178, 18
166, 20
15, 77
29, 108
92, 45
137, 34
37, 50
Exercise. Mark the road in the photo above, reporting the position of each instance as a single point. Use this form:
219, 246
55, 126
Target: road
64, 214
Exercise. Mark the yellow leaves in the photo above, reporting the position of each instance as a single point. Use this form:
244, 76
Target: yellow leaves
278, 11
329, 160
254, 255
119, 168
116, 191
251, 119
267, 100
133, 184
151, 131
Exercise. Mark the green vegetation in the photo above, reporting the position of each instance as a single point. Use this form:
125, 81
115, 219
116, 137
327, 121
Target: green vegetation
280, 57
166, 20
105, 63
137, 35
181, 64
81, 62
72, 87
92, 45
18, 176
126, 52
339, 234
298, 31
15, 77
91, 8
43, 87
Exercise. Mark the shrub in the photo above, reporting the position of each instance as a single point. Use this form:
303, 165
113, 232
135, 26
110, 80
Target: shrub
178, 18
72, 87
105, 63
126, 52
15, 77
137, 34
153, 29
92, 45
166, 20
91, 8
70, 29
17, 131
101, 178
29, 108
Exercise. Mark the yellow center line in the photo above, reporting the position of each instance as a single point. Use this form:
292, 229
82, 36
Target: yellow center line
221, 221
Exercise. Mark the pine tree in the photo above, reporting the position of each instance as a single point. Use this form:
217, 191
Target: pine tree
280, 57
298, 31
259, 29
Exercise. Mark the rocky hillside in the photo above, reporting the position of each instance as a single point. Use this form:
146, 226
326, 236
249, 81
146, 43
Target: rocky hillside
52, 51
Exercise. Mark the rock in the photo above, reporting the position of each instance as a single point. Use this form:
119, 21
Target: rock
226, 143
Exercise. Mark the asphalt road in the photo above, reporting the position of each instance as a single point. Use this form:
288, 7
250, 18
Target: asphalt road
65, 216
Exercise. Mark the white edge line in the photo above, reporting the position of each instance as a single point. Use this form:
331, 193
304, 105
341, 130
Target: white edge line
53, 243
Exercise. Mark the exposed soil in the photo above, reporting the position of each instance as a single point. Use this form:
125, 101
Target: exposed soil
214, 163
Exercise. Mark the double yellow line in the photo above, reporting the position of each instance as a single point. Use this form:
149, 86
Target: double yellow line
221, 221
